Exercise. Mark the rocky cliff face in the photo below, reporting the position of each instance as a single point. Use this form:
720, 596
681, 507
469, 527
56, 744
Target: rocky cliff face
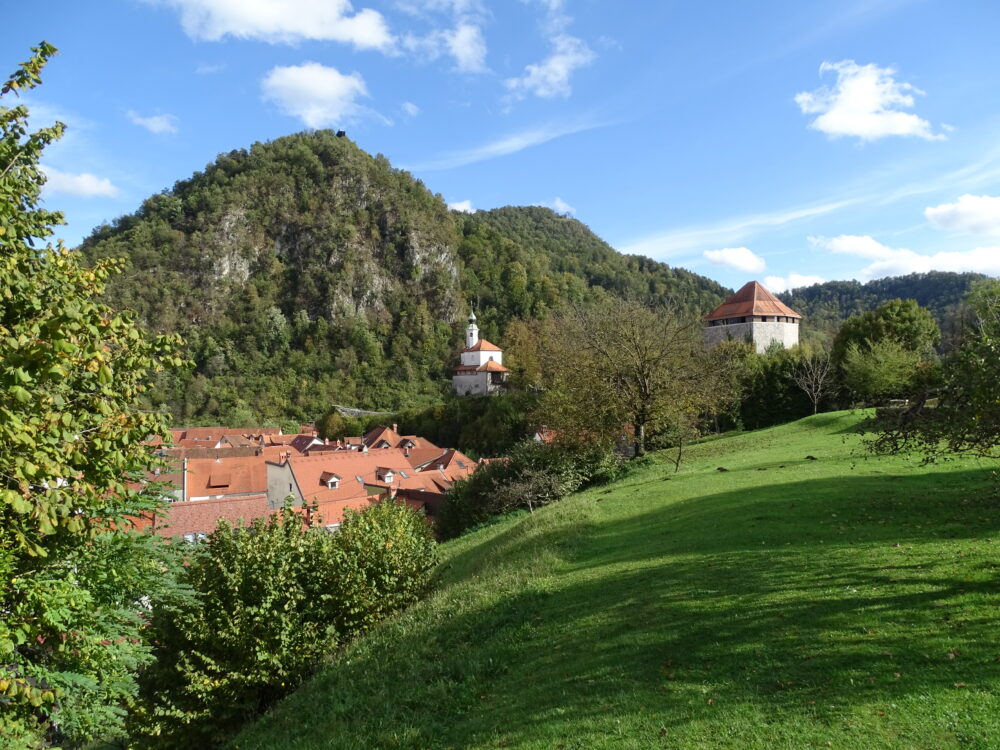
304, 272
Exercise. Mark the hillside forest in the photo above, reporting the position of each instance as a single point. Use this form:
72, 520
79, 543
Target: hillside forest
305, 272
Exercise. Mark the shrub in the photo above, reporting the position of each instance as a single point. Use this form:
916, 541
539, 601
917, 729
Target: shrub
535, 474
272, 600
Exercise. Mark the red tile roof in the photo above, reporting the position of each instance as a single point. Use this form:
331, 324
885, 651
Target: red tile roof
491, 366
201, 516
349, 465
752, 299
483, 346
216, 433
226, 476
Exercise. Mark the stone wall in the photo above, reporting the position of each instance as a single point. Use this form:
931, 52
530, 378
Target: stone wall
760, 333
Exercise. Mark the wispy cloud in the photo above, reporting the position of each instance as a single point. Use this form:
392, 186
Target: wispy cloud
505, 146
551, 77
154, 123
890, 261
726, 232
560, 206
411, 109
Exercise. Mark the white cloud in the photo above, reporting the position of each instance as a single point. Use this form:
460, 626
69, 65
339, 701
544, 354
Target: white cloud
740, 258
463, 206
318, 95
468, 47
551, 77
865, 102
411, 109
283, 21
729, 231
863, 246
154, 123
794, 280
510, 144
84, 185
465, 44
975, 214
560, 206
900, 261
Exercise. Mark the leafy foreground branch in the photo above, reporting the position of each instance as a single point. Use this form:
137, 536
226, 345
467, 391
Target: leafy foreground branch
73, 376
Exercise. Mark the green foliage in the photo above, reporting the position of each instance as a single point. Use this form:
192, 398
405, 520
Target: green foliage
74, 376
826, 306
381, 562
535, 474
904, 321
305, 273
273, 600
771, 394
485, 426
882, 369
966, 415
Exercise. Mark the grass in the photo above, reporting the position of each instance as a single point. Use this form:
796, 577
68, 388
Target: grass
844, 602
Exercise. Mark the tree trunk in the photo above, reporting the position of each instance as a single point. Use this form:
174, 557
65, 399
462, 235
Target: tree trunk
640, 439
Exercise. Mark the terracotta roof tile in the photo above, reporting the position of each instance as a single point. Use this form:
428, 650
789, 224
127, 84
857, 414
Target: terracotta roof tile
209, 477
491, 366
483, 346
751, 299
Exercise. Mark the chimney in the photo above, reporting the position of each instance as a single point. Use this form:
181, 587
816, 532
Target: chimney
406, 452
395, 427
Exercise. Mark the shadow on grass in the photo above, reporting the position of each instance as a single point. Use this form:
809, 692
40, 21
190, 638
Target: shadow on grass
812, 602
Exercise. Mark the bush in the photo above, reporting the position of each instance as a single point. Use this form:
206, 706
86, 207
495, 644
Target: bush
272, 600
536, 474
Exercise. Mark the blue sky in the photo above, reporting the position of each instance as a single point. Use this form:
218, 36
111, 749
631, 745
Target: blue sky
784, 141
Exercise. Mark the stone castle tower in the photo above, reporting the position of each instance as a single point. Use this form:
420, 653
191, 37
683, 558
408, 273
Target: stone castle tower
755, 315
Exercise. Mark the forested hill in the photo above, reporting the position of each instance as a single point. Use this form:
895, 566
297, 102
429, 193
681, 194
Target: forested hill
825, 306
305, 272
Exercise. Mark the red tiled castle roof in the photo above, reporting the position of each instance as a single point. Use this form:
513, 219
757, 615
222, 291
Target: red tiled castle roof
752, 299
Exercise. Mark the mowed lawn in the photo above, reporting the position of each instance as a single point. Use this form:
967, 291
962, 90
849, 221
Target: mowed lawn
845, 602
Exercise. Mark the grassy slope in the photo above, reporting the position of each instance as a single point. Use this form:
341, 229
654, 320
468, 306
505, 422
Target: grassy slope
842, 602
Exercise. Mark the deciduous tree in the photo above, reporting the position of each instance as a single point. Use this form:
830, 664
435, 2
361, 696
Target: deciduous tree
73, 374
622, 363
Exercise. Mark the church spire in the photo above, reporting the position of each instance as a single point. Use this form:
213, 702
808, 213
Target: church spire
471, 331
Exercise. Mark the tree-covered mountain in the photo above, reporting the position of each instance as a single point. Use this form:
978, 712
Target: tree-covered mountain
825, 306
305, 272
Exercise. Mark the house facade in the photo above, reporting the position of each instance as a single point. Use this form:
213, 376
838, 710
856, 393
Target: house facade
753, 315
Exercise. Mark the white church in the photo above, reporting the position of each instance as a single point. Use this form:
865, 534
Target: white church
481, 371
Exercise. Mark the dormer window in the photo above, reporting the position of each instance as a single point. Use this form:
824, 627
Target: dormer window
330, 480
386, 475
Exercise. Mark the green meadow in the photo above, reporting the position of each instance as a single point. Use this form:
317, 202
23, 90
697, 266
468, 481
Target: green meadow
787, 602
